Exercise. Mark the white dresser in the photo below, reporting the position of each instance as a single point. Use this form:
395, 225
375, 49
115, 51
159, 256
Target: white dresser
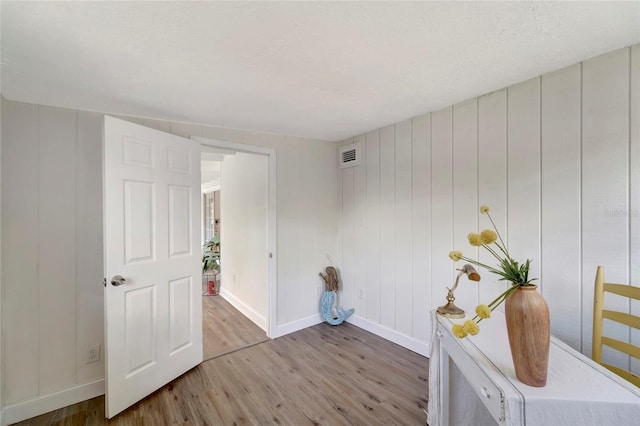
472, 382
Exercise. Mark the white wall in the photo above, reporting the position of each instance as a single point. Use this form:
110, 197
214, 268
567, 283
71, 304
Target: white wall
51, 254
557, 159
1, 291
52, 244
244, 217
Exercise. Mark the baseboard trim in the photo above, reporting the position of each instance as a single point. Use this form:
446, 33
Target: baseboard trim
43, 404
405, 341
410, 343
293, 326
246, 310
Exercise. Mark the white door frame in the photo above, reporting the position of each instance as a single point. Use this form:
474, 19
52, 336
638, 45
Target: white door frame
272, 322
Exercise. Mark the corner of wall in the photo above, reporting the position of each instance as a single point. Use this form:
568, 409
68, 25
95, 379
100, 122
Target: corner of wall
338, 205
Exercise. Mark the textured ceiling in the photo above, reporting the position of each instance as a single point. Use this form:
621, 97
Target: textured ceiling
326, 70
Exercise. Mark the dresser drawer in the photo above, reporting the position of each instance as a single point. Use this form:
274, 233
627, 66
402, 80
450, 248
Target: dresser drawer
487, 391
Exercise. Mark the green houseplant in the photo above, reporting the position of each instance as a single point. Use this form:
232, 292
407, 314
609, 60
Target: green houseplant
211, 255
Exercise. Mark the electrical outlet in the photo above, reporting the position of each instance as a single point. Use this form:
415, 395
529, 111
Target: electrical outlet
93, 353
361, 293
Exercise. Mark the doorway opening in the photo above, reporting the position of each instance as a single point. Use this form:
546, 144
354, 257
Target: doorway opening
210, 168
238, 221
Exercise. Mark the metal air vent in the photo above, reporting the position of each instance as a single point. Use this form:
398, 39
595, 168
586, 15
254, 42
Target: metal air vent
349, 155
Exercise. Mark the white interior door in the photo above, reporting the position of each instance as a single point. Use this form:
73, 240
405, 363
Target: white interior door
153, 320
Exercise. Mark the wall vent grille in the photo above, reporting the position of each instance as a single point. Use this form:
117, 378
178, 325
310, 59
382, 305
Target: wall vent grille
349, 155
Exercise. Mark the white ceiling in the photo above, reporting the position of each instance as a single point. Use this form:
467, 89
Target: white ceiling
326, 70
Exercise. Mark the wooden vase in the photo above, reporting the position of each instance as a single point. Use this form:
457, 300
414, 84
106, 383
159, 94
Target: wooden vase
528, 327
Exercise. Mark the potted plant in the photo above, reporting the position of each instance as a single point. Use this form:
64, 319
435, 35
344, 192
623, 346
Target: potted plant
211, 260
526, 311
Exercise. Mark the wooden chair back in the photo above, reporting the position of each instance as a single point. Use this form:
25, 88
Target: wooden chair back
600, 314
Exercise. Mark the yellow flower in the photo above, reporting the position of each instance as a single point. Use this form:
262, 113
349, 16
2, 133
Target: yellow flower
484, 209
458, 331
475, 239
455, 255
471, 327
483, 311
488, 236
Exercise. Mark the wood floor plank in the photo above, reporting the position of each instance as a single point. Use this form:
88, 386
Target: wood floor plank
321, 375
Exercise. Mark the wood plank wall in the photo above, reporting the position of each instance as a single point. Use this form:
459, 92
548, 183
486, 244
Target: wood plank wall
52, 240
557, 158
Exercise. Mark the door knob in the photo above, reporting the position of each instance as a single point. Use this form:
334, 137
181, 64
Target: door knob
117, 280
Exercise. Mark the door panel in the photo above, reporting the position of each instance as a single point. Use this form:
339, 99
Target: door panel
180, 291
140, 308
179, 220
138, 221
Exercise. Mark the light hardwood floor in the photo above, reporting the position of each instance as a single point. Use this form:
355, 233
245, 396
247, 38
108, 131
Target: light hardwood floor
225, 329
322, 375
